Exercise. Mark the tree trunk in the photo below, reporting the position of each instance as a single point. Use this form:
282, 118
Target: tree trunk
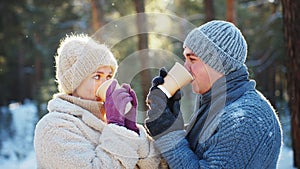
291, 20
230, 11
21, 76
97, 14
209, 10
142, 44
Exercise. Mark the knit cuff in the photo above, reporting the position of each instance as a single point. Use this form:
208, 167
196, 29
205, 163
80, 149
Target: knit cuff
170, 140
121, 143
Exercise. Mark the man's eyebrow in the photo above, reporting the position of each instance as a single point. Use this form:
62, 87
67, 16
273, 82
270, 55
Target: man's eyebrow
190, 54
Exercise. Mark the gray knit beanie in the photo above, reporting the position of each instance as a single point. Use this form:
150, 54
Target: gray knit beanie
78, 56
219, 44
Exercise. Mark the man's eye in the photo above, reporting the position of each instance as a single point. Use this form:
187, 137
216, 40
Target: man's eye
192, 59
108, 77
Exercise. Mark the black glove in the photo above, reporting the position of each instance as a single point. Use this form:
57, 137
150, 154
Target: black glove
158, 80
164, 115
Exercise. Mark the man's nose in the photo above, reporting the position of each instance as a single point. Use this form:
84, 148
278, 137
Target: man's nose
187, 65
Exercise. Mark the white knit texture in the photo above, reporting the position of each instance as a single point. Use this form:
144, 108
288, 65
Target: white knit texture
78, 56
72, 137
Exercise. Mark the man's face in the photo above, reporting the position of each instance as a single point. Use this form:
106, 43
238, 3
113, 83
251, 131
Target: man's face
199, 71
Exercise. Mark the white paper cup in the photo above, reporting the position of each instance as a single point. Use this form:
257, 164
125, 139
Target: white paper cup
176, 78
101, 93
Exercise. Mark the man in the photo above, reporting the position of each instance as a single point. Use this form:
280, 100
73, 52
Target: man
234, 126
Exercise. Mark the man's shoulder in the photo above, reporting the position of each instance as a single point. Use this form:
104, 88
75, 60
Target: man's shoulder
252, 101
252, 108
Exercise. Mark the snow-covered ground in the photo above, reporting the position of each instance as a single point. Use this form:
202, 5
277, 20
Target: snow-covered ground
17, 136
285, 162
17, 152
28, 163
286, 159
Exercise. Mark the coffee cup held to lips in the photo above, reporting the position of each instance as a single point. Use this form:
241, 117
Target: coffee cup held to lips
176, 78
101, 93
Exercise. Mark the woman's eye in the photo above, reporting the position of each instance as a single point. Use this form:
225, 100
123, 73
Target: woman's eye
108, 77
97, 77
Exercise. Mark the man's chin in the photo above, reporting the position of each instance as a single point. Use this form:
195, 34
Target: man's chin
195, 90
194, 87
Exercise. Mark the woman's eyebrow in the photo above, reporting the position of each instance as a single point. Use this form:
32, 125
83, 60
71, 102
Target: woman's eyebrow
101, 72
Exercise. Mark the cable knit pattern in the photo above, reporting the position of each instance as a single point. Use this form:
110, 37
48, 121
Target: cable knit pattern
234, 126
232, 145
72, 137
219, 44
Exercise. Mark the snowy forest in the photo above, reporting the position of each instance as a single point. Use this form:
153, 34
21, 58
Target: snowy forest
136, 31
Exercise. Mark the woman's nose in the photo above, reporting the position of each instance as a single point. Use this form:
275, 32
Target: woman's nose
103, 80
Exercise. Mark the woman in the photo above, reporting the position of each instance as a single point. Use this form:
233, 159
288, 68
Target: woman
80, 131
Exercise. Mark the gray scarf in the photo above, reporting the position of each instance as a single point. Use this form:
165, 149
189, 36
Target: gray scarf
210, 107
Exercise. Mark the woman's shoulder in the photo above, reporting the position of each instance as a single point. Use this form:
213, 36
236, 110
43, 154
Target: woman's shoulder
55, 120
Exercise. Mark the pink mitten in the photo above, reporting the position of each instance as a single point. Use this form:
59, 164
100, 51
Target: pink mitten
115, 103
130, 117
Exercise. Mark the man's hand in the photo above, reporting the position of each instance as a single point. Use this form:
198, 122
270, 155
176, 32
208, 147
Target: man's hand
164, 114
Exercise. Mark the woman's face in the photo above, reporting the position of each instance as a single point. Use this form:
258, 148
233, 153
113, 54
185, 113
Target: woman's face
88, 87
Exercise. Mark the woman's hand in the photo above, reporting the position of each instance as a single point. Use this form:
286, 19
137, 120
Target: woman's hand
115, 106
130, 117
115, 103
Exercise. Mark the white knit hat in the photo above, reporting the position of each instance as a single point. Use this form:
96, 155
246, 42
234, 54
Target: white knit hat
219, 44
78, 56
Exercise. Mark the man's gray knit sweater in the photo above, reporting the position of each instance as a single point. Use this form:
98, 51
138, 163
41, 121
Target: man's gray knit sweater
245, 133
